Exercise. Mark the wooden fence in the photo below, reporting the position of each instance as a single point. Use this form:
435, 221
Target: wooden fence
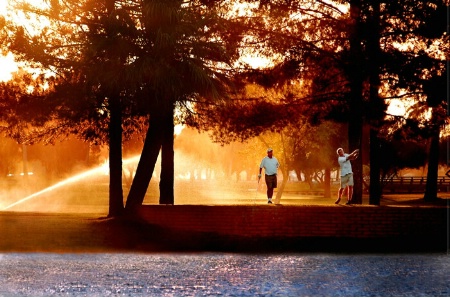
412, 184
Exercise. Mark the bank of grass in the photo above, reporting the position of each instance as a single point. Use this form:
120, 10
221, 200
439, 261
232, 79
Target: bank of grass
73, 233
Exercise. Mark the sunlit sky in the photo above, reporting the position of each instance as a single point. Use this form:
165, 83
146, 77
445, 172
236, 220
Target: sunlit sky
3, 6
8, 66
7, 62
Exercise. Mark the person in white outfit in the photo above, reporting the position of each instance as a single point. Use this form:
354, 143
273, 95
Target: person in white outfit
346, 173
270, 165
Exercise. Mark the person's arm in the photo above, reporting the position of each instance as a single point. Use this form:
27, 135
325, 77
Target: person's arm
260, 169
353, 155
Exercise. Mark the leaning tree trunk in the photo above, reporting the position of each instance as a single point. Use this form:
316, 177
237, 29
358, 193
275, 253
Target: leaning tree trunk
115, 158
431, 188
146, 165
282, 186
355, 75
166, 184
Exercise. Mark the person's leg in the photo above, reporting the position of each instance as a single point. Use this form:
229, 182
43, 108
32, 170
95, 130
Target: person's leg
350, 189
341, 189
270, 186
269, 194
349, 193
274, 185
342, 185
269, 190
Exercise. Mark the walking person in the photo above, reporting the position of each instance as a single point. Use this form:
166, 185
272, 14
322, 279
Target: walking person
346, 173
270, 165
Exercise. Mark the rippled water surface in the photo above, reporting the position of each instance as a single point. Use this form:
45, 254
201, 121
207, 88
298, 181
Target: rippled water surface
223, 274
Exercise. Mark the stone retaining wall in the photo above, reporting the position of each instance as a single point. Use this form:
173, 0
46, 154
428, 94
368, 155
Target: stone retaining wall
280, 221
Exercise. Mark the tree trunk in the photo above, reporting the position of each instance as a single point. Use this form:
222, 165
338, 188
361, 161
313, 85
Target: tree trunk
375, 170
355, 132
116, 207
115, 158
146, 165
356, 87
377, 106
431, 188
327, 184
166, 184
281, 188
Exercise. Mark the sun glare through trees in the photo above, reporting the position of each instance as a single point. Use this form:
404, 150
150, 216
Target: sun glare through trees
303, 77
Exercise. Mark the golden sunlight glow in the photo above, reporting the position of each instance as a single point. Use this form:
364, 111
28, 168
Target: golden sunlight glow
396, 108
178, 129
258, 62
8, 66
96, 171
3, 4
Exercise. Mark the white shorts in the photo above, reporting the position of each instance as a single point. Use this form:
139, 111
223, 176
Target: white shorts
347, 180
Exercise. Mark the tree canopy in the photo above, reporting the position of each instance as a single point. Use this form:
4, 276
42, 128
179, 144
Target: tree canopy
112, 68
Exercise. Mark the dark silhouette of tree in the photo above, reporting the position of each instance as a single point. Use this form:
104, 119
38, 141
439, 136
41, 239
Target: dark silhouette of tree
399, 154
315, 53
119, 60
377, 105
420, 70
88, 52
193, 47
436, 91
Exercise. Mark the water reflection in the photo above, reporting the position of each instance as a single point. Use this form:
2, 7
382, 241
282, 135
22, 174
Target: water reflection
216, 274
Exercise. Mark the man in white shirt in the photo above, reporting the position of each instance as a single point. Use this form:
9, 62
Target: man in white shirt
270, 165
346, 173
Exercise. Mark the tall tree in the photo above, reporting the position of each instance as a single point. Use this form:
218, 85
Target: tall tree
90, 42
415, 65
193, 47
120, 52
377, 105
436, 91
355, 72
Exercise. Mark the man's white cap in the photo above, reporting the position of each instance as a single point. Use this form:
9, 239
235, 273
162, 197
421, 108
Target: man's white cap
337, 151
269, 149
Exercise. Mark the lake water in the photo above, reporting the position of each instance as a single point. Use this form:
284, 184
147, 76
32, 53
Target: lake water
224, 274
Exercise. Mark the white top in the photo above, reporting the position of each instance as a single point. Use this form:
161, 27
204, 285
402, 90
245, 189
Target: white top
270, 165
346, 166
